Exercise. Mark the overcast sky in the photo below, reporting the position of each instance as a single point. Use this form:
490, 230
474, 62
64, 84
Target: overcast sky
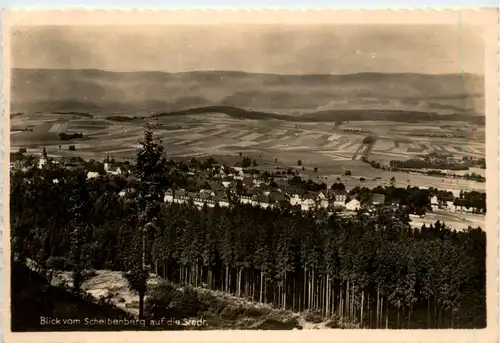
265, 49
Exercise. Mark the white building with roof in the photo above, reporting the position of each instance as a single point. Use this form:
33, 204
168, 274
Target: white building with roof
353, 205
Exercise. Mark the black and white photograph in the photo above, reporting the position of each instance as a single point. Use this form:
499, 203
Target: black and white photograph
250, 175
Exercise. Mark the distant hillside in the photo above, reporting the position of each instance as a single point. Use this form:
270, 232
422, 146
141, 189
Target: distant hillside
96, 91
325, 116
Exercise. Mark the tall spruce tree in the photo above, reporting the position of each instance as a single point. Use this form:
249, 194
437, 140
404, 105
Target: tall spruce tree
79, 209
151, 177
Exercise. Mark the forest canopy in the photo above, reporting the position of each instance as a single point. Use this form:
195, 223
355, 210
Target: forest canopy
372, 269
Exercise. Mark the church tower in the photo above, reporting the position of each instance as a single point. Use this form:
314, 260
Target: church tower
44, 159
106, 163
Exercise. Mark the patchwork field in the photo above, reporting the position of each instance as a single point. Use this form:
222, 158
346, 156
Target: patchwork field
273, 143
457, 221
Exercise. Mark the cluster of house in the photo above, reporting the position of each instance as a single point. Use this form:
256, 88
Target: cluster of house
45, 161
450, 206
41, 163
208, 197
269, 199
331, 200
327, 200
108, 168
258, 194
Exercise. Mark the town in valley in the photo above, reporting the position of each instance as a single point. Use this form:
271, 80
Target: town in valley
314, 180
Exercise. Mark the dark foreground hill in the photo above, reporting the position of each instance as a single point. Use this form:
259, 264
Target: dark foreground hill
36, 305
97, 91
34, 301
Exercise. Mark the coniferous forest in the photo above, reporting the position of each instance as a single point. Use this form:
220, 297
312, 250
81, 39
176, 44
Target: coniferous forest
371, 268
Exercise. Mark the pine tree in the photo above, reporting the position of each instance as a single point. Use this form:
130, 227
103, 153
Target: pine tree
79, 210
151, 177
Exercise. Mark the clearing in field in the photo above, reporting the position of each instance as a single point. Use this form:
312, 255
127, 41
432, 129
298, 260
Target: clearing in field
334, 137
296, 148
344, 146
452, 150
251, 136
279, 146
55, 127
415, 148
234, 134
307, 140
312, 135
193, 136
244, 144
278, 132
383, 145
378, 156
457, 221
181, 142
351, 147
216, 132
334, 156
332, 145
473, 150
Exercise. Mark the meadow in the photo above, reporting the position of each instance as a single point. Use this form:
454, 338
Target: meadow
273, 143
457, 221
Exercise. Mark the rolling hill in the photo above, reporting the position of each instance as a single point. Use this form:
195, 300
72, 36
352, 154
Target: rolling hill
97, 91
325, 116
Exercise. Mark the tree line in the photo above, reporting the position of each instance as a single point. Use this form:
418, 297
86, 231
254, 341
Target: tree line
416, 200
416, 166
439, 161
68, 136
